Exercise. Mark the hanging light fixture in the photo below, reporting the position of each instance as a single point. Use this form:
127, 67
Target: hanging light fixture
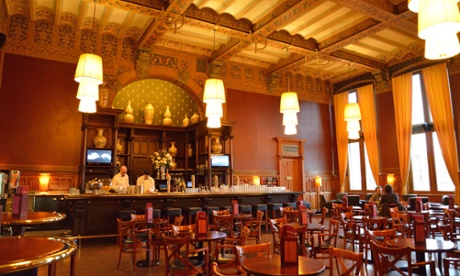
89, 75
353, 129
289, 107
352, 112
290, 129
214, 97
438, 24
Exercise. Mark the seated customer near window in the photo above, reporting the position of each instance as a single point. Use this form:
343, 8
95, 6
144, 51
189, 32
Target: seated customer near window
377, 195
389, 199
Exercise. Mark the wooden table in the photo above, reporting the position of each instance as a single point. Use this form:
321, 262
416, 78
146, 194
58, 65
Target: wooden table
271, 265
431, 246
18, 224
27, 252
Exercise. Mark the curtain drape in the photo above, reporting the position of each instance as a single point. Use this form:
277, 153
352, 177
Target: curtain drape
436, 83
366, 101
340, 100
402, 100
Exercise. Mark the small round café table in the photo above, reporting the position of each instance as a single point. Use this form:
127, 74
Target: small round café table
271, 265
18, 224
429, 246
21, 253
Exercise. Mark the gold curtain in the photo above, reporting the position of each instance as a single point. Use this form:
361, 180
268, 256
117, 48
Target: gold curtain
366, 101
402, 100
340, 100
436, 83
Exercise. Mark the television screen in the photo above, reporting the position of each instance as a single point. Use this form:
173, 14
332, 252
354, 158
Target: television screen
99, 157
220, 161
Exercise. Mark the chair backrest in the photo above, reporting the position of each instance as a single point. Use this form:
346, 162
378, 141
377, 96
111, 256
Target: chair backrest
183, 229
291, 215
217, 272
399, 221
223, 223
253, 250
375, 223
174, 246
275, 225
323, 215
383, 264
343, 262
220, 212
244, 235
178, 220
381, 236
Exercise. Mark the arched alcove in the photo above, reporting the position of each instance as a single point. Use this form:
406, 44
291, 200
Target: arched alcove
160, 94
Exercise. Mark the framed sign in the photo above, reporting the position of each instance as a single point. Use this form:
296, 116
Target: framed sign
290, 147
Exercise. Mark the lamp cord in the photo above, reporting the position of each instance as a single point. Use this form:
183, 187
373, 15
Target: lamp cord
94, 24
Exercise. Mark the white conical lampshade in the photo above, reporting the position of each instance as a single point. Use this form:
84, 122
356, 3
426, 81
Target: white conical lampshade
214, 108
414, 5
438, 18
353, 125
214, 91
352, 112
442, 46
290, 118
88, 89
289, 102
213, 121
87, 106
290, 129
89, 66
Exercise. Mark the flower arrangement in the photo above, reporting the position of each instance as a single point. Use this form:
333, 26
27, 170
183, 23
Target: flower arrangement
162, 158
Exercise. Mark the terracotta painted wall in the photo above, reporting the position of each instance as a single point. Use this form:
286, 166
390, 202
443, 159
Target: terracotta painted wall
39, 121
258, 121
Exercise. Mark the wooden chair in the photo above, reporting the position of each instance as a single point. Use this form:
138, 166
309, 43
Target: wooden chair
324, 240
351, 230
323, 215
275, 229
178, 220
218, 272
129, 242
399, 221
254, 226
346, 262
447, 262
386, 259
291, 215
379, 237
179, 230
224, 223
225, 252
253, 250
177, 257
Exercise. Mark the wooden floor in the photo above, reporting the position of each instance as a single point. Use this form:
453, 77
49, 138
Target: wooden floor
101, 260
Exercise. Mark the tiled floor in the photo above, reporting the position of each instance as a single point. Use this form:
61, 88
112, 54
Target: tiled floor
101, 259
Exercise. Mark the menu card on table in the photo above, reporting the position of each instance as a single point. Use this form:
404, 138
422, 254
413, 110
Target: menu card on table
201, 223
289, 240
21, 201
419, 229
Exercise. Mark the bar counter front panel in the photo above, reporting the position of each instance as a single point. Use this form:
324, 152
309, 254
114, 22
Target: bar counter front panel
96, 214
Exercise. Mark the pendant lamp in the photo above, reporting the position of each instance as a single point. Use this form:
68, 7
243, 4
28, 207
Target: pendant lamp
442, 46
290, 129
87, 106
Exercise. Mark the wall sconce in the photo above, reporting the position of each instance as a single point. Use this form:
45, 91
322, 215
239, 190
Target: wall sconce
256, 180
390, 179
43, 180
318, 181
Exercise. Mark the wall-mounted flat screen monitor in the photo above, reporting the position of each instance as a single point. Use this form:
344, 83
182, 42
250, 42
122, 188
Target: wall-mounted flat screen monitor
99, 157
220, 160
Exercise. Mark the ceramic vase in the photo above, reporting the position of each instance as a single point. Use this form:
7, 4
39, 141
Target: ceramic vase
167, 121
194, 119
119, 146
216, 146
99, 140
185, 121
173, 150
149, 111
189, 150
128, 117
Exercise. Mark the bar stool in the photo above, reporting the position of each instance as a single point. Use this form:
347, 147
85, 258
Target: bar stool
290, 204
191, 212
208, 210
171, 213
245, 209
156, 213
263, 208
273, 208
125, 214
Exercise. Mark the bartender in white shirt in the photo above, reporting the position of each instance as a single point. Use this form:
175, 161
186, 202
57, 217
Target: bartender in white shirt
120, 182
147, 181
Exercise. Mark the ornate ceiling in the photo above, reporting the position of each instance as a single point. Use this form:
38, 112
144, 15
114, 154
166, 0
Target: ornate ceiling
328, 40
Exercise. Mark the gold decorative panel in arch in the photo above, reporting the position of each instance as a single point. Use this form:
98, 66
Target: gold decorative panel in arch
160, 94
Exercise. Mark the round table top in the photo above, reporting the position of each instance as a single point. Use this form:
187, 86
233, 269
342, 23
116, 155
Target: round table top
271, 265
32, 218
210, 236
431, 245
26, 252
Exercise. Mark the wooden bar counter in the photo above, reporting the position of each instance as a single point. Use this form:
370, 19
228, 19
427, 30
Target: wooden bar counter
94, 214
